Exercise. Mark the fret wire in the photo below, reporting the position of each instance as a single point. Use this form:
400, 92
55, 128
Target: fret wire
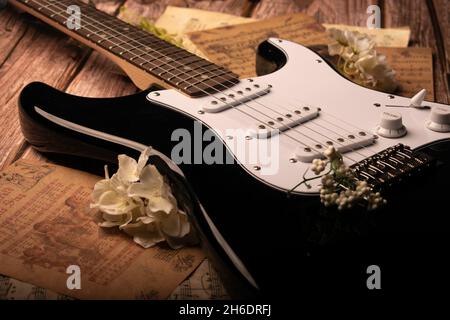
153, 65
137, 39
131, 49
128, 42
247, 114
46, 6
244, 112
154, 41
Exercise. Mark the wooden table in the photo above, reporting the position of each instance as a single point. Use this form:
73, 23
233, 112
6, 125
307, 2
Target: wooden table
31, 51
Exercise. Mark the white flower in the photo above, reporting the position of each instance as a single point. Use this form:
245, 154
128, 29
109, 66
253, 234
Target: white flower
318, 166
331, 153
141, 203
359, 60
375, 201
348, 44
374, 71
340, 188
328, 181
339, 41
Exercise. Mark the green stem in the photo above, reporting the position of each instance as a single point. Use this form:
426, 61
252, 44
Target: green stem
305, 180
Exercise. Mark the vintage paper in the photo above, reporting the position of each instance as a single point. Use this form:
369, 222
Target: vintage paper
414, 69
234, 47
203, 284
179, 21
385, 37
46, 225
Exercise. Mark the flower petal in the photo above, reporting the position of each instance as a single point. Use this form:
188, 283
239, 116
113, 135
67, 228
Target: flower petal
127, 169
150, 185
146, 235
157, 204
143, 158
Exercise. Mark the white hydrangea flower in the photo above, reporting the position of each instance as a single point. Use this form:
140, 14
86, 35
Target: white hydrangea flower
141, 203
375, 71
359, 60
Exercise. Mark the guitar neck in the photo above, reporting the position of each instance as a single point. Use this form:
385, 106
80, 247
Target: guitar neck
130, 46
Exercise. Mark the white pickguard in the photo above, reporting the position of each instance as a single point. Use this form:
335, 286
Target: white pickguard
303, 81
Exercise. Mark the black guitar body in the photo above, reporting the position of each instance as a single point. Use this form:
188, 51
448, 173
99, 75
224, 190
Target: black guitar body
286, 243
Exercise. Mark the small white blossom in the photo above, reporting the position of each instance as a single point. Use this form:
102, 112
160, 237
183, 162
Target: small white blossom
328, 181
318, 165
375, 201
340, 188
331, 153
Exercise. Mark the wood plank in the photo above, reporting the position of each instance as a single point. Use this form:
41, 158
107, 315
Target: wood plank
442, 13
101, 78
416, 14
153, 9
351, 12
12, 29
109, 6
42, 54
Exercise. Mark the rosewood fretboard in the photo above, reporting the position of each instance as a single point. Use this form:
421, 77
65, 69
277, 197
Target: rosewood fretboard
177, 67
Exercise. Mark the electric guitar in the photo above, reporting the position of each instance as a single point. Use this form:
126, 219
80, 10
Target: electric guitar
252, 141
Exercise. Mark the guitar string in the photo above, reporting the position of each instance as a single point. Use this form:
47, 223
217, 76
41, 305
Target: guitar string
60, 14
298, 101
276, 111
340, 135
136, 40
249, 115
132, 48
291, 128
308, 137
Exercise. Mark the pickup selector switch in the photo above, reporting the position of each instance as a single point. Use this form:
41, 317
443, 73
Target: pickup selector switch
439, 119
391, 125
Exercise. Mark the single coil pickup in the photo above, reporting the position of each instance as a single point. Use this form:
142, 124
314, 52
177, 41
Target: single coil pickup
343, 144
243, 92
284, 122
391, 166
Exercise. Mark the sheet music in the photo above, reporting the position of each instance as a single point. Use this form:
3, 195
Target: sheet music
203, 284
383, 37
234, 47
46, 225
414, 69
180, 21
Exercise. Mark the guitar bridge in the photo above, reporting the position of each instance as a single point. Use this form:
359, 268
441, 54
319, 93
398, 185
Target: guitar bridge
391, 166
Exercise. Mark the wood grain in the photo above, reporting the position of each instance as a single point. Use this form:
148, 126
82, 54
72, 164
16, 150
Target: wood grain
416, 14
351, 12
442, 16
152, 9
42, 54
39, 56
12, 29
